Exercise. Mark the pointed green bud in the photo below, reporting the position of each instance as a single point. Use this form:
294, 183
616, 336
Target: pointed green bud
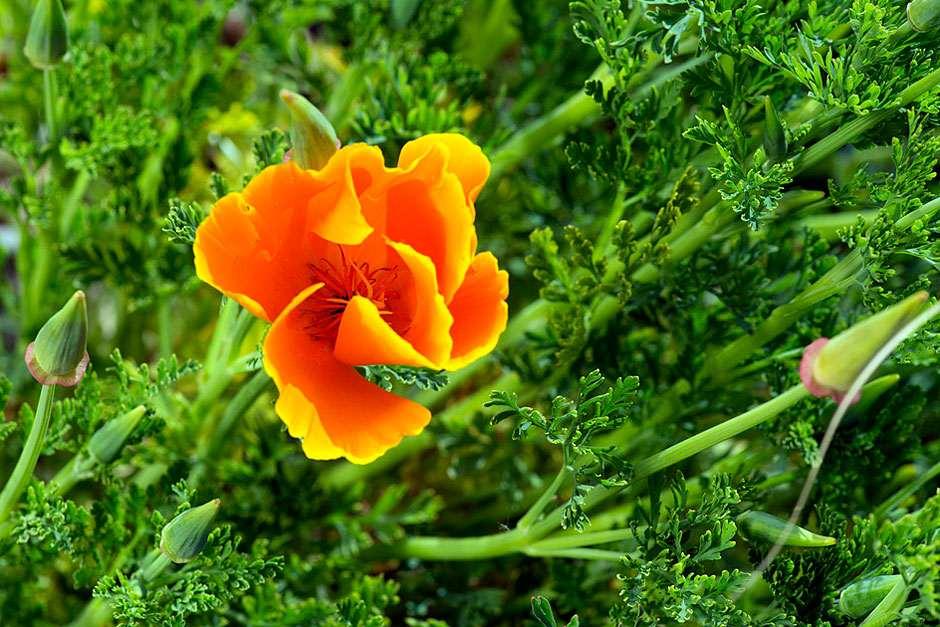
48, 38
58, 356
775, 138
313, 138
886, 612
923, 14
107, 441
829, 366
184, 537
402, 11
863, 596
770, 528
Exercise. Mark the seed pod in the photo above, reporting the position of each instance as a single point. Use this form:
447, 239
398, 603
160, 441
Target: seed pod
107, 441
829, 366
770, 528
863, 596
313, 138
184, 537
48, 38
923, 14
59, 355
775, 138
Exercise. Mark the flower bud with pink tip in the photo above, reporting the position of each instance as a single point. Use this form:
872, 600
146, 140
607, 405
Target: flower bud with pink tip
829, 367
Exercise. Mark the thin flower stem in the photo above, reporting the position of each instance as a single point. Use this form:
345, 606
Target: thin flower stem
539, 506
215, 436
50, 96
589, 538
576, 554
901, 495
23, 471
482, 547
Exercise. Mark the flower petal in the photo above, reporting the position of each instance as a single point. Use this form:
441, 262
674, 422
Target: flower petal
365, 338
480, 311
428, 210
336, 211
343, 413
239, 252
431, 320
464, 158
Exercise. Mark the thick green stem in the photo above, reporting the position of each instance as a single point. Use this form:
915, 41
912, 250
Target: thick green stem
539, 506
215, 436
50, 98
904, 493
483, 547
539, 133
23, 471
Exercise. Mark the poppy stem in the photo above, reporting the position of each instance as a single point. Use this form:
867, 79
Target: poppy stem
23, 471
482, 547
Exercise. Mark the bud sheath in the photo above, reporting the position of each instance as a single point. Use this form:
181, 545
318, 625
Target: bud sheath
58, 356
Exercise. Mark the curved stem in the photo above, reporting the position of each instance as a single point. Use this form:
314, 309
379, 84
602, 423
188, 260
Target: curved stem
23, 471
539, 506
483, 547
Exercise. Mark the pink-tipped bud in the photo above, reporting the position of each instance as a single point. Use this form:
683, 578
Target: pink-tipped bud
829, 367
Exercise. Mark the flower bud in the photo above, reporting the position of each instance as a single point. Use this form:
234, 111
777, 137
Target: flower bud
58, 356
829, 366
48, 38
107, 441
775, 138
922, 14
185, 536
313, 138
770, 528
863, 596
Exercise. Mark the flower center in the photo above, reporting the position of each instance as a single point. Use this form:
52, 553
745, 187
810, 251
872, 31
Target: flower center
341, 282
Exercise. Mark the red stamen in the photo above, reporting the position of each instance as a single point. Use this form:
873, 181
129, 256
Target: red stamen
340, 284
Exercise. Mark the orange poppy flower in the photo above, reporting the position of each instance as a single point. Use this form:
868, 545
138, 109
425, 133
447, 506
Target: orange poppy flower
358, 264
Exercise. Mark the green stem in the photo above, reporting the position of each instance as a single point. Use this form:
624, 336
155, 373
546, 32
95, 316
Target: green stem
165, 326
904, 493
539, 133
576, 554
539, 506
154, 564
50, 96
72, 203
719, 433
483, 547
215, 436
23, 471
589, 538
75, 470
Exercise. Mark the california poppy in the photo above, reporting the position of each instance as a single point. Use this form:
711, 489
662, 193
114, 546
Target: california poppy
358, 264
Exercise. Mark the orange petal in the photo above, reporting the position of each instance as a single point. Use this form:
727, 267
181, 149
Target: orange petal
480, 311
364, 338
256, 246
238, 253
464, 158
427, 209
431, 321
338, 412
336, 211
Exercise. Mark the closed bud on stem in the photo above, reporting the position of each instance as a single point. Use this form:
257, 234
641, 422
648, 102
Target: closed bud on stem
863, 596
48, 38
775, 138
923, 14
106, 443
829, 366
313, 138
886, 612
58, 356
770, 528
184, 537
